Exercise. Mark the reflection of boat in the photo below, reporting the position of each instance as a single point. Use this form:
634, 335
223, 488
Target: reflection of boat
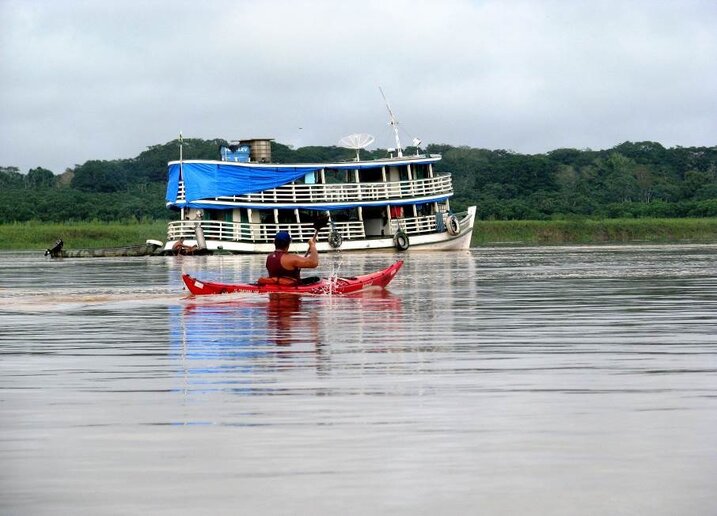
230, 342
237, 204
246, 324
378, 279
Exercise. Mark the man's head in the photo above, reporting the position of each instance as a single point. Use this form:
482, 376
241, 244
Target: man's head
282, 240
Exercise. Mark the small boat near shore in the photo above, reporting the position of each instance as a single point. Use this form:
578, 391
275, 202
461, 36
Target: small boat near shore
314, 286
149, 248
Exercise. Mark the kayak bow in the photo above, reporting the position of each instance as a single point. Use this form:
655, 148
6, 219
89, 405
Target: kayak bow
323, 286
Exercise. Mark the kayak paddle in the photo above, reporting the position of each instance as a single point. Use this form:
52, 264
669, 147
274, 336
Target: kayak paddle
320, 223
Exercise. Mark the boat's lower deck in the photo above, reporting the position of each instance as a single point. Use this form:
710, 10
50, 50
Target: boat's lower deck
445, 231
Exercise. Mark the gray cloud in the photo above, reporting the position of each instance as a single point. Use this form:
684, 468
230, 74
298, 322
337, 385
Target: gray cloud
102, 80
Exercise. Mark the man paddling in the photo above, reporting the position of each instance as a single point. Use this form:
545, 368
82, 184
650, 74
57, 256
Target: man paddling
281, 263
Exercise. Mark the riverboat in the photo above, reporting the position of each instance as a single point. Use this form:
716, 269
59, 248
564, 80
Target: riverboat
238, 203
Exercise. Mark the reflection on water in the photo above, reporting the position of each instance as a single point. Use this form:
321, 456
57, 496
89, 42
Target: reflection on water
576, 380
223, 341
238, 339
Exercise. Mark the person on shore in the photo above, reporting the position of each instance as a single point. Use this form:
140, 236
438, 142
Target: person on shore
283, 264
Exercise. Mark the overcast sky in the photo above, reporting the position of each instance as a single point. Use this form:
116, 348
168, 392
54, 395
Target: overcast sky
105, 79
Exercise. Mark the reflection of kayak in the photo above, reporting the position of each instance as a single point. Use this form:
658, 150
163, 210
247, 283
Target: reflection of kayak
321, 286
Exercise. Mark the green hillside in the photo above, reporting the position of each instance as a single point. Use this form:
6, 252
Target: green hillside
631, 180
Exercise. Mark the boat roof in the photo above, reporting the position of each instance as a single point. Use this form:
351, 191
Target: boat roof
374, 163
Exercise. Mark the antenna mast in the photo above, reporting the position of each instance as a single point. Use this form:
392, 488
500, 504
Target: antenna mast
394, 124
181, 169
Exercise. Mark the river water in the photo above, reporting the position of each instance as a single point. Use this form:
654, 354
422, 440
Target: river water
558, 380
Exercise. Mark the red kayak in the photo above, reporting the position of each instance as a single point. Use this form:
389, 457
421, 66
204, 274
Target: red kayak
284, 285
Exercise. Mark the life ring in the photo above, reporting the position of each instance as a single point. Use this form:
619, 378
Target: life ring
400, 240
453, 226
335, 239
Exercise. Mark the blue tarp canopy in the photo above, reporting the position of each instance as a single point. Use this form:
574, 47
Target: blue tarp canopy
209, 180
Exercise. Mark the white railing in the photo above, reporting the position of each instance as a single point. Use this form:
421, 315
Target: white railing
341, 192
413, 225
258, 233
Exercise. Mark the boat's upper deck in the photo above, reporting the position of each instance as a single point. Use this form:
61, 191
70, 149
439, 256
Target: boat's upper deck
397, 179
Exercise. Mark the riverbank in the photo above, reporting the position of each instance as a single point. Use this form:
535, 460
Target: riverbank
26, 236
588, 231
39, 235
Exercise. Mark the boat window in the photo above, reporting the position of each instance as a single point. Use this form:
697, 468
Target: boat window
345, 215
376, 212
370, 175
424, 209
306, 216
420, 171
287, 216
221, 215
334, 176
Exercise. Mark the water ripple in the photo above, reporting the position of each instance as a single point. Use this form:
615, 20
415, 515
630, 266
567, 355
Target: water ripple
578, 368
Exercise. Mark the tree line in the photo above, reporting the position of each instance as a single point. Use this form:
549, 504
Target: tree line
633, 179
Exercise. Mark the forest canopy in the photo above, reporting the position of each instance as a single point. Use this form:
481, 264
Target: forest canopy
633, 179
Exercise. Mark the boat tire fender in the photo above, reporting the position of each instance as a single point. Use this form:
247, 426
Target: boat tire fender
453, 226
335, 239
400, 240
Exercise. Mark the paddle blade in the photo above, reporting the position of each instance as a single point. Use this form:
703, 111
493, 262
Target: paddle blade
321, 222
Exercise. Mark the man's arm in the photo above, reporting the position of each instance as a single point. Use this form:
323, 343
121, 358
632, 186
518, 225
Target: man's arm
295, 261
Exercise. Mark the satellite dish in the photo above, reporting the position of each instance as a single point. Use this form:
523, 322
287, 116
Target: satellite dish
357, 142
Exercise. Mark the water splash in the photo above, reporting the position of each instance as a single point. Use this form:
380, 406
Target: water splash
334, 269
